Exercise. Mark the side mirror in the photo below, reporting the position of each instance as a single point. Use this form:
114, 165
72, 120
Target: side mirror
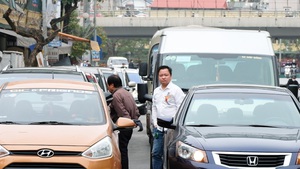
123, 123
142, 90
166, 124
131, 84
143, 69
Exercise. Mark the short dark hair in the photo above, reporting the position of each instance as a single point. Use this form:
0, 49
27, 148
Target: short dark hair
114, 79
164, 67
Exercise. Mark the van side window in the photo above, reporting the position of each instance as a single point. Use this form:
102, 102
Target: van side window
153, 58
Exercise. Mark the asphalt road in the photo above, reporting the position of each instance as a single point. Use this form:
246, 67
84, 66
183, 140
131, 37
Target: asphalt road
139, 148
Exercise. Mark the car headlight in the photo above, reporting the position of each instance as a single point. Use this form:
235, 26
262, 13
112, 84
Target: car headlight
3, 152
188, 152
298, 159
101, 149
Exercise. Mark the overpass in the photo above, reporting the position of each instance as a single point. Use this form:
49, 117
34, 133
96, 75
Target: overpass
280, 24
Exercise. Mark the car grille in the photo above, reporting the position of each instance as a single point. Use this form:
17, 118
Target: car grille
251, 159
43, 166
56, 153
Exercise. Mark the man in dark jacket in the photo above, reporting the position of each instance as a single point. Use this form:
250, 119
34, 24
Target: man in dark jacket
122, 105
293, 81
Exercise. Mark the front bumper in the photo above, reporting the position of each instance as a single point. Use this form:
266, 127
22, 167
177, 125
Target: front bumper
21, 159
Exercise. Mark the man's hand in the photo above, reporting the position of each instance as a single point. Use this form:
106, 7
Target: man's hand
138, 123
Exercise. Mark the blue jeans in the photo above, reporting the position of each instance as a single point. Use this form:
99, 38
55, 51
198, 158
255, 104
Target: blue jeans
157, 149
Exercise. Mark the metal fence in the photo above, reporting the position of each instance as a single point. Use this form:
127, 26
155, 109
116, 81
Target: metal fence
201, 13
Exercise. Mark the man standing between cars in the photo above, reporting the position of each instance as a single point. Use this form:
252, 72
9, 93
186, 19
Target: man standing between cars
166, 101
131, 65
122, 105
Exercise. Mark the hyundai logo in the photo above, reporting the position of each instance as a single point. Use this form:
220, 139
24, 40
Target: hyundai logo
45, 153
252, 161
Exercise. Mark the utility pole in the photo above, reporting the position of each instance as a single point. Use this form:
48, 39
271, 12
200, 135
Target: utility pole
44, 29
95, 28
86, 10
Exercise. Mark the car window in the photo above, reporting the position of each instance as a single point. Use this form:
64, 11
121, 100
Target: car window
101, 82
60, 105
242, 109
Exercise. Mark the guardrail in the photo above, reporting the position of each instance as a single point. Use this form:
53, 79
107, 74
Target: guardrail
201, 13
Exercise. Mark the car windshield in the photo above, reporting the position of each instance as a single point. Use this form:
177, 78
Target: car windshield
193, 69
242, 109
21, 76
135, 77
51, 105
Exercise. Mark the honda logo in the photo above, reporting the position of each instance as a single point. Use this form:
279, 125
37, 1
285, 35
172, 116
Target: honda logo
45, 153
252, 161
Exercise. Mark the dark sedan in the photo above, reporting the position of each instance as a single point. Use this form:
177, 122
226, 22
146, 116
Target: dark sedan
229, 126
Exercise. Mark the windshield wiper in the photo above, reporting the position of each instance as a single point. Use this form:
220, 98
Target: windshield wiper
8, 122
258, 125
51, 123
184, 89
201, 125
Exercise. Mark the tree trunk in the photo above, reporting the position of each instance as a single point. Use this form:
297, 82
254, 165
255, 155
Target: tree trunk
38, 34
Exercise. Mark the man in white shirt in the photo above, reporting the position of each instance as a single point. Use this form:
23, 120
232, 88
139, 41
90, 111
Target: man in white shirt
165, 103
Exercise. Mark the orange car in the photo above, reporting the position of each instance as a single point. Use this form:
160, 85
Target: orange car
57, 124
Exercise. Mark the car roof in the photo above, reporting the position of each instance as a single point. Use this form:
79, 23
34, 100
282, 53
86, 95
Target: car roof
42, 69
90, 69
132, 70
50, 84
71, 72
247, 88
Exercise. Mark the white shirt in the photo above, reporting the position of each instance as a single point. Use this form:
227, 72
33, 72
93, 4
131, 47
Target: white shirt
165, 103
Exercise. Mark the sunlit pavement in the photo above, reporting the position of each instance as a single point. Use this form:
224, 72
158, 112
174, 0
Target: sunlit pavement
139, 148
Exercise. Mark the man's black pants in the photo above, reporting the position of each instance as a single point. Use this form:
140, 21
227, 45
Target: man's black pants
124, 137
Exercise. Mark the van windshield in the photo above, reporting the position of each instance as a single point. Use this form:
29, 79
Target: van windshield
198, 69
119, 61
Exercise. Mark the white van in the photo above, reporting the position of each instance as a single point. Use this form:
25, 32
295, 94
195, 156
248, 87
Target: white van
117, 62
204, 55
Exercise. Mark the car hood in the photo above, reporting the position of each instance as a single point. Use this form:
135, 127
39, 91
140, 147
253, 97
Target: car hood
244, 139
51, 134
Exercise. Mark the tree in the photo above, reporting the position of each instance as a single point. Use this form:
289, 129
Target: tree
138, 47
79, 48
37, 34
